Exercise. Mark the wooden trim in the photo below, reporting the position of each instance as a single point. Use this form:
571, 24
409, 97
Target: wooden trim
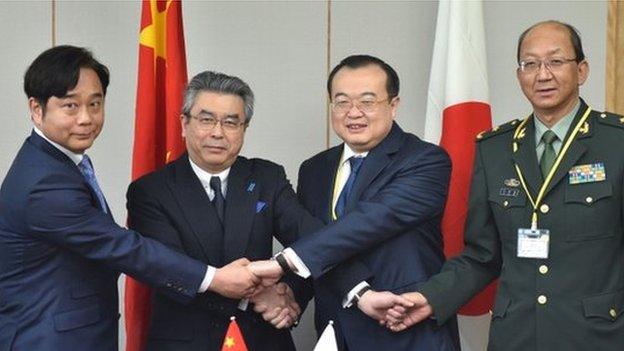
615, 57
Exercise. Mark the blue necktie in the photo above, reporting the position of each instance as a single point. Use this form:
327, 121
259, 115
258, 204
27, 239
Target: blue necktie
341, 204
218, 201
87, 171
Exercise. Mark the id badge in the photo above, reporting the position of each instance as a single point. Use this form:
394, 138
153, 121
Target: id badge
533, 243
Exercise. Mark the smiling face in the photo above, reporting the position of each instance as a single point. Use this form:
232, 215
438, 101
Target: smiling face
214, 149
75, 119
362, 131
552, 92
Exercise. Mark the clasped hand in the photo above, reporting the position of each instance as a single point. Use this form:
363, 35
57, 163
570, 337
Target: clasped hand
258, 281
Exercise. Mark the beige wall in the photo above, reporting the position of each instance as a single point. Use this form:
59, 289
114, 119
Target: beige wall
280, 49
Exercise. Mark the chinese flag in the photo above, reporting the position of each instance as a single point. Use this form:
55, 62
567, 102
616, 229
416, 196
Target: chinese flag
157, 131
233, 338
457, 110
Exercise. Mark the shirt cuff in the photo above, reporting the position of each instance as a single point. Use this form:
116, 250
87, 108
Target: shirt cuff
205, 284
300, 268
348, 300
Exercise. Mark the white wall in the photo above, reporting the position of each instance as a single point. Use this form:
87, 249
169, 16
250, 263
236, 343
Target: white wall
280, 49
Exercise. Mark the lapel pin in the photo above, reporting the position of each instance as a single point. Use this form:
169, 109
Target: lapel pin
251, 186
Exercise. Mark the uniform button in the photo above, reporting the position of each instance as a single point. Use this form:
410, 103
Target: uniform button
613, 313
543, 269
505, 203
603, 115
589, 199
542, 299
544, 208
169, 285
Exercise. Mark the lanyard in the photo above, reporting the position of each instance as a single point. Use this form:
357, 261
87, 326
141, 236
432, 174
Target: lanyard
566, 145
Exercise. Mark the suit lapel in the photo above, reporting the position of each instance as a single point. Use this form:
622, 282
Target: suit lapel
378, 158
51, 150
197, 209
326, 177
526, 158
240, 209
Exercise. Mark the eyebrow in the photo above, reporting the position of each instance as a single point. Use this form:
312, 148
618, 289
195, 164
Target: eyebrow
555, 51
73, 95
211, 114
361, 95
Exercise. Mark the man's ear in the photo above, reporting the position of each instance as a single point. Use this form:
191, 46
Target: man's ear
36, 111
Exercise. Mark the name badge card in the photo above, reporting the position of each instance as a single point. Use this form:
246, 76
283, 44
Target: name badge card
533, 243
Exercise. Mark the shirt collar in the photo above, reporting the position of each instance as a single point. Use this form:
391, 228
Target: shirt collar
76, 158
560, 128
204, 177
348, 152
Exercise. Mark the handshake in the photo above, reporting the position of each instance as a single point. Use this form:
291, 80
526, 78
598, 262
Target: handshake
242, 279
257, 281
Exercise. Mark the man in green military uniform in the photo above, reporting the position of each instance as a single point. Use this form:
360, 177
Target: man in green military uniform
545, 215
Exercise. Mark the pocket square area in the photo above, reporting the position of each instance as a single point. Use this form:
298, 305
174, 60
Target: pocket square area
260, 205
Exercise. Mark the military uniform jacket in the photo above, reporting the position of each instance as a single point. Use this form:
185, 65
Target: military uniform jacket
573, 300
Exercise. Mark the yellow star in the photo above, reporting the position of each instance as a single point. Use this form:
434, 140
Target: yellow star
229, 342
154, 35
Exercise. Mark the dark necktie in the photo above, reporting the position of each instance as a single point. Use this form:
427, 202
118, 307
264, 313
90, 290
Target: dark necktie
218, 201
548, 157
341, 204
86, 169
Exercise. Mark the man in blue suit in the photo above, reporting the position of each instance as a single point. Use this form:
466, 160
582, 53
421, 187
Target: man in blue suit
382, 194
60, 249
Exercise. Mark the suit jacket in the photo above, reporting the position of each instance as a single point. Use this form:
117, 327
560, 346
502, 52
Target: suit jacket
172, 206
60, 257
572, 300
391, 227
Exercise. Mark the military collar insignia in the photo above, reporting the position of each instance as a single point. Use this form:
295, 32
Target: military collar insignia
521, 133
584, 129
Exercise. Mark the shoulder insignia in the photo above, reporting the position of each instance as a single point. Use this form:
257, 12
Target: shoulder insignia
611, 119
511, 125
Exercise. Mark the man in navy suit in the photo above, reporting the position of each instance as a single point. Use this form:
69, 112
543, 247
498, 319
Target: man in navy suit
382, 194
60, 249
217, 206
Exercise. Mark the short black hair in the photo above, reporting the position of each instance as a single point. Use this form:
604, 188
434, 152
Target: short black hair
358, 61
575, 38
57, 70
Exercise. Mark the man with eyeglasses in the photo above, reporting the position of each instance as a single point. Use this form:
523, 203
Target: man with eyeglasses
222, 209
381, 194
545, 214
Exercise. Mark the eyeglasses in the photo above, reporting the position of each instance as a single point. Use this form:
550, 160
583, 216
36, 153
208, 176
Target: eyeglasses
208, 123
553, 64
366, 105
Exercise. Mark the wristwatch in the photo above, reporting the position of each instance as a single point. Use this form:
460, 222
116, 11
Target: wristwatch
358, 295
281, 260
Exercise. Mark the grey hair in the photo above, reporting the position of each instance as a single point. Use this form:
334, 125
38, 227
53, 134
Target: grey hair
218, 83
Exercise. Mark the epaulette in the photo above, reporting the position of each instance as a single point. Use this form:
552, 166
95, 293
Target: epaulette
498, 130
611, 119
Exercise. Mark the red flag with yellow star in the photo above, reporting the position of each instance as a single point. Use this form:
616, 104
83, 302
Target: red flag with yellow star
233, 338
157, 131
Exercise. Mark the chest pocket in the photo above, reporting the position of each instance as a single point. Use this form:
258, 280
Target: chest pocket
509, 208
589, 211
